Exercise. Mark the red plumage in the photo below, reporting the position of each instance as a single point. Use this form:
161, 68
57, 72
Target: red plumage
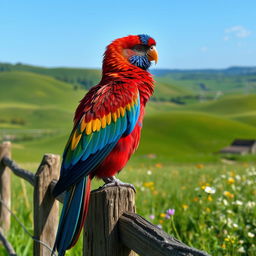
117, 70
107, 128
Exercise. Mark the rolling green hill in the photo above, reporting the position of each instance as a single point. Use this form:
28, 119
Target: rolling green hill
35, 101
36, 111
176, 137
230, 105
75, 76
187, 136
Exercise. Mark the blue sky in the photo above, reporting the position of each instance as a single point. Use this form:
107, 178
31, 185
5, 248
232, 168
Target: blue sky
189, 34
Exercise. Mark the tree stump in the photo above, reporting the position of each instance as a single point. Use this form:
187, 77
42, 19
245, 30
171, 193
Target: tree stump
101, 234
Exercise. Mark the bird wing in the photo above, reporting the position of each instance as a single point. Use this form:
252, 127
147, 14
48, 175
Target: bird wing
105, 115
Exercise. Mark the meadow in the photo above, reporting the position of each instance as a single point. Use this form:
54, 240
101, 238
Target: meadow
183, 184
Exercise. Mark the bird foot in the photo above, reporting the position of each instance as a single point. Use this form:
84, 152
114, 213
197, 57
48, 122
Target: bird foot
113, 181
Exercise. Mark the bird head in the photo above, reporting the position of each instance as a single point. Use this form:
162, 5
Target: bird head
135, 50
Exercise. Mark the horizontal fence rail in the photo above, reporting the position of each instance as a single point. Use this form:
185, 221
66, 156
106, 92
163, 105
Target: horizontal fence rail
112, 227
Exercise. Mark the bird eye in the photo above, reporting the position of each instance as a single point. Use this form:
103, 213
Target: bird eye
152, 47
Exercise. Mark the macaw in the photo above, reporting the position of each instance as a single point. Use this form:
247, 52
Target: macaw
106, 132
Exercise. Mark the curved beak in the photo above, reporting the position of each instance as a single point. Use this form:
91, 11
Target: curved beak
152, 54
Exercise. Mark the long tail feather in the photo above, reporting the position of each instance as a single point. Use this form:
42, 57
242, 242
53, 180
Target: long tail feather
73, 215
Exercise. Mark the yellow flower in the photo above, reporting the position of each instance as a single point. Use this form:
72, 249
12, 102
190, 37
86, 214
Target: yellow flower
162, 215
199, 166
228, 194
209, 198
161, 221
203, 187
223, 246
185, 207
149, 184
208, 210
231, 180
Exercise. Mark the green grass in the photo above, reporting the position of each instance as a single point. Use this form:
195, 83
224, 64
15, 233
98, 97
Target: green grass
221, 223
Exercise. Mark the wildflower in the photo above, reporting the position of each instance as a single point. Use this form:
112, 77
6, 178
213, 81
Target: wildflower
159, 226
235, 225
152, 216
237, 202
241, 250
250, 204
167, 216
231, 180
149, 184
185, 207
238, 177
158, 165
209, 190
161, 221
149, 172
199, 166
208, 210
223, 246
170, 212
209, 198
225, 202
228, 194
250, 234
162, 215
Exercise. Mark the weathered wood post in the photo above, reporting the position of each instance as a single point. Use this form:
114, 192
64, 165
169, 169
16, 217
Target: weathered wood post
5, 187
46, 208
101, 234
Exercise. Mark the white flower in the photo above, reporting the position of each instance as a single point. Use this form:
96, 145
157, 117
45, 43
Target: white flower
250, 234
210, 190
235, 225
225, 202
250, 204
237, 202
149, 172
238, 177
241, 249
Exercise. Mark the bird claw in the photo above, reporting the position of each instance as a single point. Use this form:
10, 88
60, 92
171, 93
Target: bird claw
113, 181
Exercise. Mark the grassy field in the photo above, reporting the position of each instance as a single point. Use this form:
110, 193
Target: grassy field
177, 165
214, 205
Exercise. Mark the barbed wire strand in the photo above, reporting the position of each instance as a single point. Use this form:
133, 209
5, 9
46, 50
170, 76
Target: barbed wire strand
25, 229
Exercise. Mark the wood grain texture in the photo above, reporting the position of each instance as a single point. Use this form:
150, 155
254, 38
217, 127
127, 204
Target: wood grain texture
101, 234
5, 187
46, 208
148, 240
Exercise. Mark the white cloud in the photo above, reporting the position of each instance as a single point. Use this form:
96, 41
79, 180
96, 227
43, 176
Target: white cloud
236, 31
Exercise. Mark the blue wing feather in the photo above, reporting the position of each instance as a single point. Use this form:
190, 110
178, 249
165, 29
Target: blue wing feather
93, 148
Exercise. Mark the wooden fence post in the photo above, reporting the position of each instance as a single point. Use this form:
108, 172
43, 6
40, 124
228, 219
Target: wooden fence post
46, 208
5, 187
101, 235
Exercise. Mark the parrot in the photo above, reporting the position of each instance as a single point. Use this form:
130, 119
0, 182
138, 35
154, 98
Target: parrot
106, 131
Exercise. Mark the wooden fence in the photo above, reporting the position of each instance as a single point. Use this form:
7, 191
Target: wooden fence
112, 227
